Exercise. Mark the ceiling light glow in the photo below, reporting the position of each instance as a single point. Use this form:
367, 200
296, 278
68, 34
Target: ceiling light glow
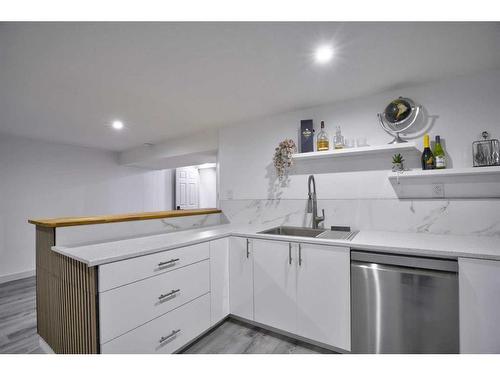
117, 125
323, 54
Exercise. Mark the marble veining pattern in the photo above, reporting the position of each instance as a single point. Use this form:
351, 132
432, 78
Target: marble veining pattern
442, 216
433, 216
87, 234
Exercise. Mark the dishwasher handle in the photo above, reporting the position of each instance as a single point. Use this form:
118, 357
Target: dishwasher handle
439, 264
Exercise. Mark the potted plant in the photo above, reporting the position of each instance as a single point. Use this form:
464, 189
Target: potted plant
397, 163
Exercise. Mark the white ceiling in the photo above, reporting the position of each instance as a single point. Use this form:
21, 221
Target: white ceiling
65, 82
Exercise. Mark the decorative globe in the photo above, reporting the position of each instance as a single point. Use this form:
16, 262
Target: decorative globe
397, 111
399, 116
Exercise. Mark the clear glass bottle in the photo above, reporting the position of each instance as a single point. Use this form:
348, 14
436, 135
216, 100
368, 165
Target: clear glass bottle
338, 140
322, 142
439, 155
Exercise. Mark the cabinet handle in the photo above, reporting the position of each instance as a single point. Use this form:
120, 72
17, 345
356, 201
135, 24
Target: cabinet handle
169, 294
165, 338
168, 262
300, 254
289, 253
248, 251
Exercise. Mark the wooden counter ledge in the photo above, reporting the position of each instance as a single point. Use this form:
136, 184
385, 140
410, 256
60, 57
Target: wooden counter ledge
106, 219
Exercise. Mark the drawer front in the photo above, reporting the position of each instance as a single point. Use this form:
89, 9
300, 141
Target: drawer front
124, 272
167, 333
127, 307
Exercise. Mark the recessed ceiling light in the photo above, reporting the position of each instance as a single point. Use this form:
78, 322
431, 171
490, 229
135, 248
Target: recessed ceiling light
323, 54
117, 125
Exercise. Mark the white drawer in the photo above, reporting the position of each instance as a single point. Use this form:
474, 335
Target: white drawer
188, 321
125, 308
124, 272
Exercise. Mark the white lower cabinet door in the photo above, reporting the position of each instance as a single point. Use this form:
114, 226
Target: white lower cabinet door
241, 277
219, 279
274, 284
479, 296
323, 295
167, 333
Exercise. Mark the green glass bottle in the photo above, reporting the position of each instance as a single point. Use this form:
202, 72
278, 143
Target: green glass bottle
427, 156
439, 156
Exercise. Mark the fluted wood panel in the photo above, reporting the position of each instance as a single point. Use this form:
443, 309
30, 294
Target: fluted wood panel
67, 315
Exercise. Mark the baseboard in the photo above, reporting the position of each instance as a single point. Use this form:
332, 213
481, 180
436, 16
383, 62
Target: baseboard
16, 276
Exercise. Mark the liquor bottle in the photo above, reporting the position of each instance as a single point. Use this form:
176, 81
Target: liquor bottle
439, 156
322, 141
427, 156
338, 140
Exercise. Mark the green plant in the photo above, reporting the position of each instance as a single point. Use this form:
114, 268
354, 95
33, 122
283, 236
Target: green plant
397, 159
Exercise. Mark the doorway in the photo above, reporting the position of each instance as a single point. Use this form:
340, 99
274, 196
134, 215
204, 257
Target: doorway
196, 187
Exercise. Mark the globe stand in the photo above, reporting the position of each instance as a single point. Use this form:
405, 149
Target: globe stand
397, 139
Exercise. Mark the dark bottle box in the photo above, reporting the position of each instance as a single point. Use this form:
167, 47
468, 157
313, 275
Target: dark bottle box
306, 136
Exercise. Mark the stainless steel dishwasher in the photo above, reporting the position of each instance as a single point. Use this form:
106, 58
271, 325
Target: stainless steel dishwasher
403, 304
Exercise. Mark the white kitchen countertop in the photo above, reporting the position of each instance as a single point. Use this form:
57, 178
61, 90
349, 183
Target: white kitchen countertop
382, 241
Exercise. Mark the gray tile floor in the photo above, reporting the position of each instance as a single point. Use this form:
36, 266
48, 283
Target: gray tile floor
235, 337
18, 317
18, 330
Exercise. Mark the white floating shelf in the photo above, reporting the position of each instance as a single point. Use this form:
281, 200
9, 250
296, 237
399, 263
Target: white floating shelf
368, 150
477, 173
480, 182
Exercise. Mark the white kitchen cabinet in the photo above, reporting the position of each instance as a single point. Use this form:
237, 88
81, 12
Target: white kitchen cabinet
479, 292
275, 284
129, 306
219, 279
323, 294
304, 289
241, 277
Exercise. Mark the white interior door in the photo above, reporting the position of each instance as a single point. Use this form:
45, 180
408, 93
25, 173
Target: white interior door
187, 188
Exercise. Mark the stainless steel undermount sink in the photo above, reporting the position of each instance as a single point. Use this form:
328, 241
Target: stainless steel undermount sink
310, 232
294, 231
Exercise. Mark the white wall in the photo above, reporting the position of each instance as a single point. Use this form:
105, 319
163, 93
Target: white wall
356, 191
40, 179
208, 187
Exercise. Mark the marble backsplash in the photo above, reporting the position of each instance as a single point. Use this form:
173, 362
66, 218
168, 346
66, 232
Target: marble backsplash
85, 234
459, 216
